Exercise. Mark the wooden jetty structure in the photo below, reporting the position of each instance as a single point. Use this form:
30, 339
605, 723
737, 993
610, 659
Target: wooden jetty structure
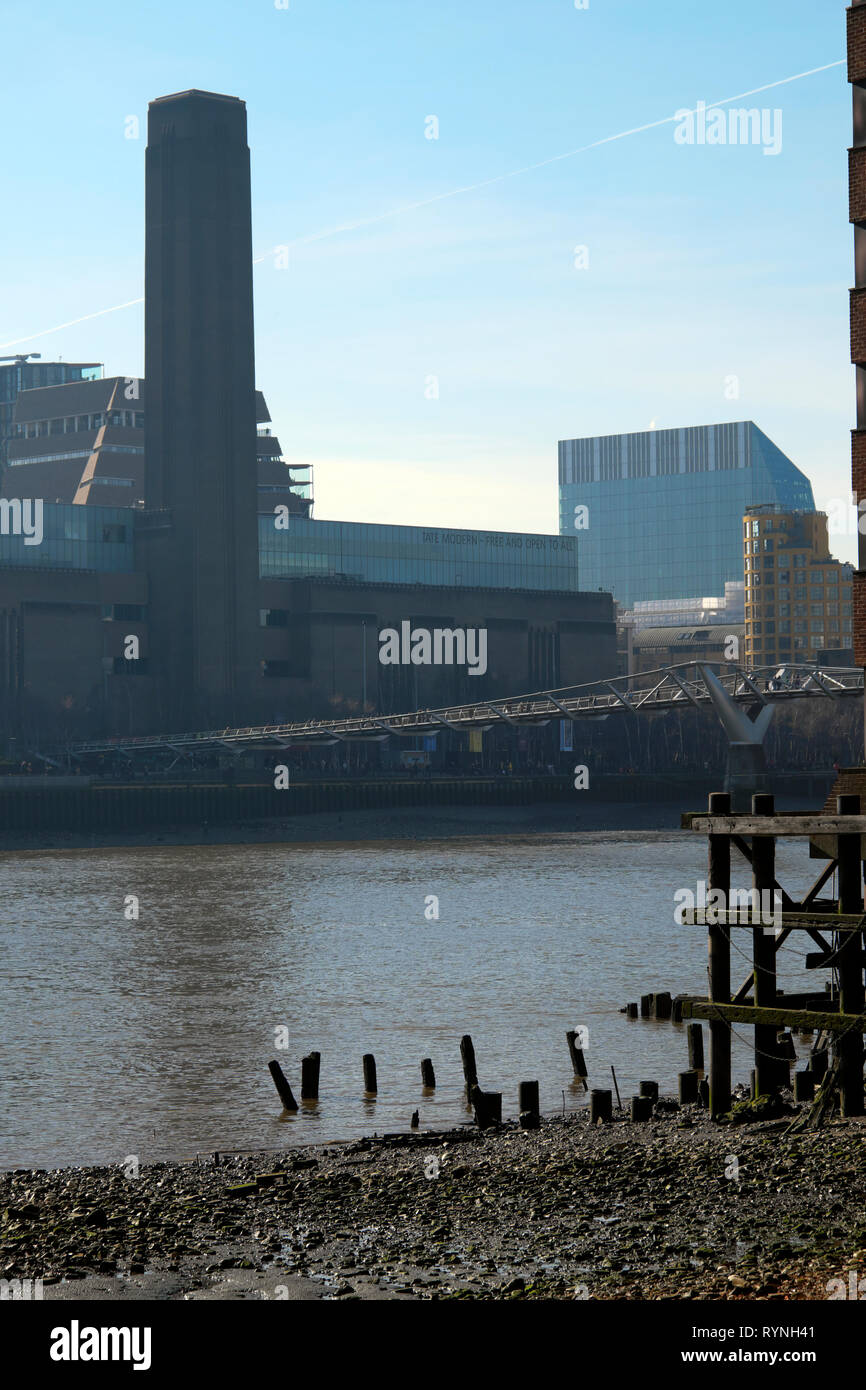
834, 925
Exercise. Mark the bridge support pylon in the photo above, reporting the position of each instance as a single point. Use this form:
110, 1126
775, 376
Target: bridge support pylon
747, 763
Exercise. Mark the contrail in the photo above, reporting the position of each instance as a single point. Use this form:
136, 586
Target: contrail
72, 322
456, 192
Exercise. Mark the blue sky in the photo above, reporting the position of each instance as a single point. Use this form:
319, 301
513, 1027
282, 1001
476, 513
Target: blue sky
704, 262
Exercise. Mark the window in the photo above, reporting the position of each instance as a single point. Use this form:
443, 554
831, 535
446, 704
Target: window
817, 610
768, 544
784, 593
785, 626
816, 591
114, 533
784, 610
800, 591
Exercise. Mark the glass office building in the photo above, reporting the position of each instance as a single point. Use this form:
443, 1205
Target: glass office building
372, 554
73, 537
664, 508
102, 538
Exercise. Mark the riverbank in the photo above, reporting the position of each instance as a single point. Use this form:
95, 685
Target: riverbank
678, 1208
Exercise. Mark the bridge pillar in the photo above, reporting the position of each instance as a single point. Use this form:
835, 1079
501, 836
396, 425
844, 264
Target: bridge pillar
747, 763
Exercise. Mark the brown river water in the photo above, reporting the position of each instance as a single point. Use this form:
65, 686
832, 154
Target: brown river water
151, 1037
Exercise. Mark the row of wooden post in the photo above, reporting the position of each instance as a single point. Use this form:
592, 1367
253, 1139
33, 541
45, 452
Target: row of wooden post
487, 1104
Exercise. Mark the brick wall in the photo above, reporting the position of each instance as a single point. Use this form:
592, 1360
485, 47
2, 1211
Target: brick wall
859, 595
857, 44
858, 325
857, 183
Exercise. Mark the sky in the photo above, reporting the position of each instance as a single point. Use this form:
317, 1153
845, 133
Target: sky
453, 306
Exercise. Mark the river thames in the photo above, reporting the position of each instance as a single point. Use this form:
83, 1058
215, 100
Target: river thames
150, 1036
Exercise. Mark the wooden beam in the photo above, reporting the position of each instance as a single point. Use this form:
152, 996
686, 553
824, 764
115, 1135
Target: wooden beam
819, 882
788, 921
776, 1018
780, 825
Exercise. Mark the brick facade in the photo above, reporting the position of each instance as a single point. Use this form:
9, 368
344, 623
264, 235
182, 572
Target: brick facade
857, 44
859, 597
857, 184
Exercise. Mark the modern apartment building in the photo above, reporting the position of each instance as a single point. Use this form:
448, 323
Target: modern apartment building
658, 514
798, 598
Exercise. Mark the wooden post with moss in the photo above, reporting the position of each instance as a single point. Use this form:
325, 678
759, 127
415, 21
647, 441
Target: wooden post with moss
764, 949
719, 946
849, 1046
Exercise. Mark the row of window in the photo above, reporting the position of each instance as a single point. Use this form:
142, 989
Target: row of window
784, 577
71, 424
752, 527
800, 625
800, 644
76, 454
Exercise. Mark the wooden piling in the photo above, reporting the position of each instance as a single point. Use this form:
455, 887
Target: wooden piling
600, 1107
696, 1046
646, 1005
310, 1076
487, 1106
849, 1046
284, 1090
641, 1109
578, 1061
650, 1089
467, 1056
631, 1010
688, 1087
662, 1006
428, 1075
527, 1097
764, 950
719, 947
369, 1062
